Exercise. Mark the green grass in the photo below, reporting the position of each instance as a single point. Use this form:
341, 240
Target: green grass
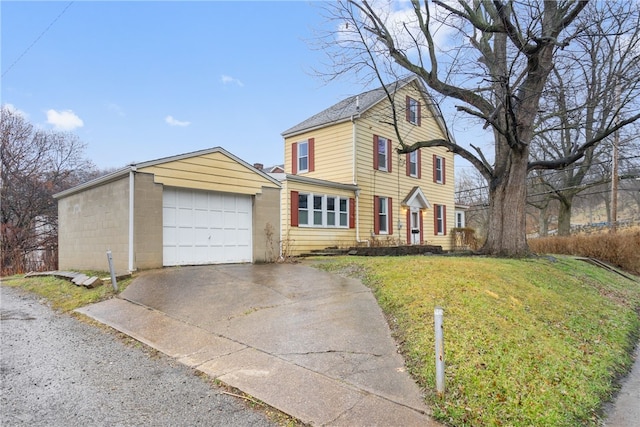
527, 342
63, 295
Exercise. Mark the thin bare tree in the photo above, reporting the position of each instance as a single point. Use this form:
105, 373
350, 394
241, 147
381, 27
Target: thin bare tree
35, 165
604, 57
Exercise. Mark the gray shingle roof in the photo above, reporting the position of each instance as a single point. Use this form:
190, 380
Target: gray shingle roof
347, 108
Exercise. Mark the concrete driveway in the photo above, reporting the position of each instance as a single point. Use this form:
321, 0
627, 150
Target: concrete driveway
312, 344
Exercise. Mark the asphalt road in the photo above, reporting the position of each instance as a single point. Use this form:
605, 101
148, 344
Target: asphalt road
58, 371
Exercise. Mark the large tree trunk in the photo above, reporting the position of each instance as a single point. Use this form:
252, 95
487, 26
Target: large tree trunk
564, 216
507, 205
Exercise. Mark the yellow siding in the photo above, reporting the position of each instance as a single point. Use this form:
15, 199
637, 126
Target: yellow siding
297, 240
397, 184
333, 153
214, 171
334, 161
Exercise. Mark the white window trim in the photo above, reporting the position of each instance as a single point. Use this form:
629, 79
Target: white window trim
413, 110
439, 171
460, 220
386, 215
413, 154
311, 211
440, 220
381, 166
300, 144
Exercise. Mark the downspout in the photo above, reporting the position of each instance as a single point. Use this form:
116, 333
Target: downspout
131, 215
355, 180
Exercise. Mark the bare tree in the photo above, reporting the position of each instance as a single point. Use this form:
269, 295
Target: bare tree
604, 58
35, 165
495, 64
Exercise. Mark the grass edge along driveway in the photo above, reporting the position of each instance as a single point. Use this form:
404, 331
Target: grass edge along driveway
537, 341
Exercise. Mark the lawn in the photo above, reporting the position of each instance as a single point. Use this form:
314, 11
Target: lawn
63, 295
530, 342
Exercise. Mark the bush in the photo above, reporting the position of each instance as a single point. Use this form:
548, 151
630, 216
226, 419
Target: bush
621, 249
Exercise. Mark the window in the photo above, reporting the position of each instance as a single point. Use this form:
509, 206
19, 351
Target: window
382, 223
383, 216
303, 209
344, 213
303, 156
381, 153
320, 210
440, 220
413, 164
413, 111
438, 169
331, 211
460, 219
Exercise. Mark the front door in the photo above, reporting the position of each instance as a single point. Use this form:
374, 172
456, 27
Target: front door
416, 229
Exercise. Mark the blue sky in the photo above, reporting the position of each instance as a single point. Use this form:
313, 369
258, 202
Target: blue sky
142, 80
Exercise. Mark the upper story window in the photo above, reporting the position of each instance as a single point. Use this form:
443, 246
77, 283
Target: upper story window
413, 164
303, 156
381, 153
439, 172
413, 111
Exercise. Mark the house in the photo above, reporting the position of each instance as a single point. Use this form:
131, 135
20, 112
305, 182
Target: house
203, 207
345, 184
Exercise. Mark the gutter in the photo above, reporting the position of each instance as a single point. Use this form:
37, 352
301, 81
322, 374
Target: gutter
355, 181
132, 188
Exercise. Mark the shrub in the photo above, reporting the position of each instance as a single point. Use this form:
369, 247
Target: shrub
621, 249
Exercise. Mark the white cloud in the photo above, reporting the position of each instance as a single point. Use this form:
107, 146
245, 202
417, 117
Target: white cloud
230, 80
64, 120
173, 122
12, 108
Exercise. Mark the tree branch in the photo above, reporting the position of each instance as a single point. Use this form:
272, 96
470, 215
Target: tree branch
482, 165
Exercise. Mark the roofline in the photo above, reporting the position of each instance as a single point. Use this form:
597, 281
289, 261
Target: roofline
429, 104
406, 81
324, 125
133, 167
120, 173
322, 182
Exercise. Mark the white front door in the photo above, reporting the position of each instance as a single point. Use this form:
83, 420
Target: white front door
416, 229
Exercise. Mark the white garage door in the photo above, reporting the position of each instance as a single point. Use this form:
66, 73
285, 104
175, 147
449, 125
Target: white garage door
205, 227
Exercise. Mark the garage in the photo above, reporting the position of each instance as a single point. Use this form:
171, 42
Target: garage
203, 207
205, 227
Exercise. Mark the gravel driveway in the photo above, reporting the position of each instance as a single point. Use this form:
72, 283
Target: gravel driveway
58, 371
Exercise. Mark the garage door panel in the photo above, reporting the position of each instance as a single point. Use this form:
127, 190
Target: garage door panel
244, 220
169, 216
202, 227
202, 219
184, 198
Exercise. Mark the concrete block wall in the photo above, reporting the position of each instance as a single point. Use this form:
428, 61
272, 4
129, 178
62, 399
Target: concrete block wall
147, 222
92, 222
266, 214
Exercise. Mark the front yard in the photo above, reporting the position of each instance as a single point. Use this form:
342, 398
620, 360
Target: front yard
527, 342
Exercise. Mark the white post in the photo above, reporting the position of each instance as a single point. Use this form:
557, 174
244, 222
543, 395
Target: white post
438, 314
112, 271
